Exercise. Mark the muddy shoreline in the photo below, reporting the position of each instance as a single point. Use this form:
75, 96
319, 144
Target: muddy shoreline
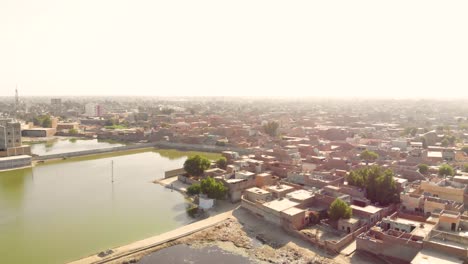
233, 237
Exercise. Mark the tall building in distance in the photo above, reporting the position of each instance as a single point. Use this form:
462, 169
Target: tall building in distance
56, 106
94, 110
10, 139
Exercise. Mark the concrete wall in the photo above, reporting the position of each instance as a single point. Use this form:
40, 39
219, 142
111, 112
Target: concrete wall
449, 193
198, 147
174, 173
93, 151
259, 211
9, 163
453, 251
390, 246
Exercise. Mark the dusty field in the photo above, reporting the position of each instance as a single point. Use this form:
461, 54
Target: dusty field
249, 236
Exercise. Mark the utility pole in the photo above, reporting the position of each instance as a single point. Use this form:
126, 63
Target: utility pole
112, 163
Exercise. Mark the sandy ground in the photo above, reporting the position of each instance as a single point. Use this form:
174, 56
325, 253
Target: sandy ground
247, 235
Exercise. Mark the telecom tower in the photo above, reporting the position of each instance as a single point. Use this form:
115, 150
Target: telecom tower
16, 101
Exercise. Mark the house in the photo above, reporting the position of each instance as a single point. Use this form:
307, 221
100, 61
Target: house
348, 225
369, 214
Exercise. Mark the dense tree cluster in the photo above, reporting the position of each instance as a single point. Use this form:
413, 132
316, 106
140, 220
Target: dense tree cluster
446, 170
271, 128
209, 186
339, 209
368, 156
465, 149
423, 168
42, 121
222, 163
379, 184
196, 165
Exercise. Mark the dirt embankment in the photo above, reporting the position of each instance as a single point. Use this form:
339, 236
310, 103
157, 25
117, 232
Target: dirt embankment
232, 236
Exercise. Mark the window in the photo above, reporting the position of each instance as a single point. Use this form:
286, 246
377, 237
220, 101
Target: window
17, 140
8, 133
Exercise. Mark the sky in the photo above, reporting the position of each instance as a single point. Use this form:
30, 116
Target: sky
234, 48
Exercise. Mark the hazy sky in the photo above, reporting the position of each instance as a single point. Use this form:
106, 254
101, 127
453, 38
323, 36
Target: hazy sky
243, 47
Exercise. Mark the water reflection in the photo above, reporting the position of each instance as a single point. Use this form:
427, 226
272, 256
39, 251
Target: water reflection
13, 185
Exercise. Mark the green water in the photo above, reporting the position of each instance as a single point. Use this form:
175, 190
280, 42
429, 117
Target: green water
62, 211
64, 145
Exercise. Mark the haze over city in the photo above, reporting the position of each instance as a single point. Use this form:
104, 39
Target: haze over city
234, 132
242, 48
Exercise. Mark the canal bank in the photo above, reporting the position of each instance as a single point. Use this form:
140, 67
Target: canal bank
153, 242
62, 210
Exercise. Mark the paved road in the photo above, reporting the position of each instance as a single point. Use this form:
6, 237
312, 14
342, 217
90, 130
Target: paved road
159, 239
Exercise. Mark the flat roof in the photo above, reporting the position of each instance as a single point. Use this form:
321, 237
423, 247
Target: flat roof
351, 220
280, 188
434, 154
280, 205
293, 211
300, 195
426, 256
257, 190
369, 209
234, 180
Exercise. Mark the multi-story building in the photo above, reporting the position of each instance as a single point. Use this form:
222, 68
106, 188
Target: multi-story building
56, 106
10, 134
92, 109
11, 145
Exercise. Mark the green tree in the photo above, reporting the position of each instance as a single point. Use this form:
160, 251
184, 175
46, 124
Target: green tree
368, 156
73, 131
379, 184
465, 149
212, 188
222, 163
196, 165
339, 209
46, 122
444, 142
194, 189
271, 128
446, 170
423, 168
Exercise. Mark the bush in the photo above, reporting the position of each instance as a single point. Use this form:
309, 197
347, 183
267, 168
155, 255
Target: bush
194, 189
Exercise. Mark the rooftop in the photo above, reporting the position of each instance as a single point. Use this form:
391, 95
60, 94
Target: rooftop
427, 256
280, 205
300, 195
293, 211
257, 190
279, 188
369, 209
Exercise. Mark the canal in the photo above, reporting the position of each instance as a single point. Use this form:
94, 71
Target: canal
62, 211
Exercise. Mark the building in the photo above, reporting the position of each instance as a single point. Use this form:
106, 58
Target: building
92, 109
10, 139
38, 132
56, 106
